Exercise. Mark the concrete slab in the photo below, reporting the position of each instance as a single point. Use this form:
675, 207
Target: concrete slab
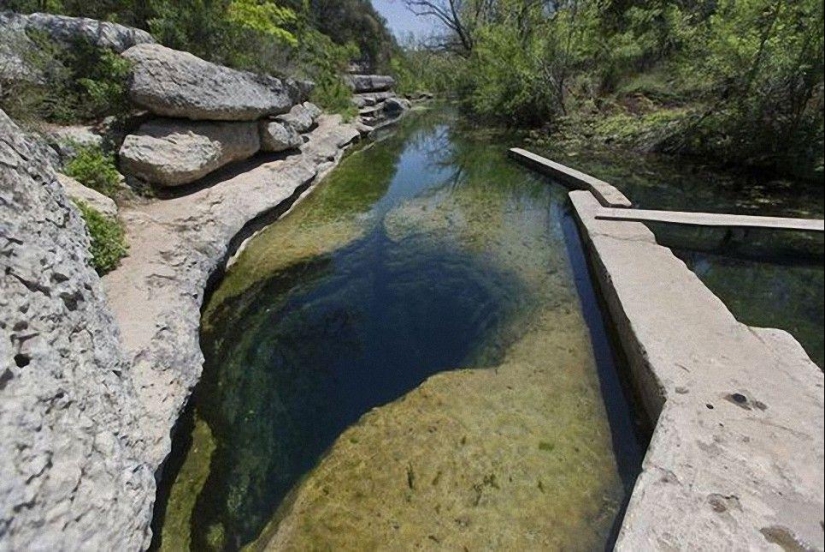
712, 219
736, 459
607, 194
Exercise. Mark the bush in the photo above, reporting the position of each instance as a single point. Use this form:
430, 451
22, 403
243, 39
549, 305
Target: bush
108, 239
94, 169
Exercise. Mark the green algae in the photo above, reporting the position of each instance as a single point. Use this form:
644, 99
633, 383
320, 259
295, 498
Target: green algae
423, 298
188, 485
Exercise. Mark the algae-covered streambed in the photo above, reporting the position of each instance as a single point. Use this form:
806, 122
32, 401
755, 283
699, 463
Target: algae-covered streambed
403, 362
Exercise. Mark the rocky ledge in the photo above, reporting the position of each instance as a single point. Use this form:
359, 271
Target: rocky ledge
736, 459
176, 245
73, 473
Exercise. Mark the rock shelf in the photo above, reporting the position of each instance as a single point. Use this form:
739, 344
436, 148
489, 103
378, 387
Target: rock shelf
736, 459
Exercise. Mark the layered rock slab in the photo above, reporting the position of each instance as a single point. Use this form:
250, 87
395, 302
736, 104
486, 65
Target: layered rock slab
369, 83
736, 459
103, 34
178, 84
94, 199
173, 153
72, 472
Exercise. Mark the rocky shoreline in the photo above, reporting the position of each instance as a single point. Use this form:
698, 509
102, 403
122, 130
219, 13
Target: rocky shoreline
95, 371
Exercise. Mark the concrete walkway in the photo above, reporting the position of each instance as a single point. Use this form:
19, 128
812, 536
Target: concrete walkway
736, 459
604, 192
712, 219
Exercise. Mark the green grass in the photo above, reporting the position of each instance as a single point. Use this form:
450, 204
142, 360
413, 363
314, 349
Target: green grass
108, 239
95, 169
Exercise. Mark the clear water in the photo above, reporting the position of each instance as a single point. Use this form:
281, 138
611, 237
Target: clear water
413, 357
767, 278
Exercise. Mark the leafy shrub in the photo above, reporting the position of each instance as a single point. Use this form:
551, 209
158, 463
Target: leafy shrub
325, 61
80, 83
108, 239
95, 169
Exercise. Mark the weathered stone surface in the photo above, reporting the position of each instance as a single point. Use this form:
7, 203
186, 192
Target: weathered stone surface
175, 245
178, 84
299, 118
15, 50
94, 199
736, 460
23, 61
277, 136
369, 83
68, 30
72, 473
299, 90
66, 140
172, 153
313, 110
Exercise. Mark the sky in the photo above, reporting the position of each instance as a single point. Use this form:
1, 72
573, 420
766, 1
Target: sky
401, 20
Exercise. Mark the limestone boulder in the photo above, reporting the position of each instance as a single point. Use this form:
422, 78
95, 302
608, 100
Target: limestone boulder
68, 30
369, 83
178, 84
313, 110
72, 470
299, 90
277, 136
174, 153
299, 118
94, 199
15, 46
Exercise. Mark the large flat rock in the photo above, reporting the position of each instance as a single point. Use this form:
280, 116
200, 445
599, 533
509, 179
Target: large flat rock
178, 84
173, 153
369, 83
736, 459
103, 34
72, 470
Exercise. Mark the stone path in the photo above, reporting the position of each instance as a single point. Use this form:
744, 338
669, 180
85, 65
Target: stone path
712, 219
736, 459
604, 192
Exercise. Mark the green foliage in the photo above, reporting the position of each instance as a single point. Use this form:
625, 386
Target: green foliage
95, 169
324, 62
108, 237
738, 80
81, 83
100, 76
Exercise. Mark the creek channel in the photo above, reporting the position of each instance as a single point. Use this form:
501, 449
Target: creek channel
413, 357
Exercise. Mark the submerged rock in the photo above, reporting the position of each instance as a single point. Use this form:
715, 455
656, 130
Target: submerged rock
173, 153
72, 473
395, 106
178, 84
